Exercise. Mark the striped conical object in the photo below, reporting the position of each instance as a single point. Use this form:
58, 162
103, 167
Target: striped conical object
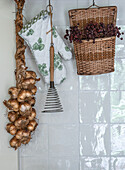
53, 103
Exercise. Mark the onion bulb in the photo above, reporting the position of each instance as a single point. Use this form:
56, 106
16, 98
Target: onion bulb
31, 74
24, 95
26, 140
13, 91
32, 125
25, 109
32, 101
19, 134
12, 104
28, 81
21, 123
11, 129
34, 90
12, 116
24, 136
33, 115
15, 143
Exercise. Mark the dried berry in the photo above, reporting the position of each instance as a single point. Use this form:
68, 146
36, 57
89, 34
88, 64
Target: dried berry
92, 31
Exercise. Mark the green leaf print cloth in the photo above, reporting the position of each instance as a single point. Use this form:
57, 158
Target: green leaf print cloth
34, 34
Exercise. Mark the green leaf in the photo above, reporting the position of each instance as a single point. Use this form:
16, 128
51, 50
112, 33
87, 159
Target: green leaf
57, 63
60, 67
40, 68
44, 66
56, 56
35, 46
41, 47
67, 49
54, 28
40, 40
55, 36
39, 65
62, 80
21, 32
46, 73
28, 34
31, 31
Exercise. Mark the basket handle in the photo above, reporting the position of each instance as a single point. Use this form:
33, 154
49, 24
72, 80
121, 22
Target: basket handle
93, 5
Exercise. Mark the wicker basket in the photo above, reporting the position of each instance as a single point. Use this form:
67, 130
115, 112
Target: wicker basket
94, 58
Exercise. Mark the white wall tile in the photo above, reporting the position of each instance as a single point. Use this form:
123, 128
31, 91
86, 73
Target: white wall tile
39, 106
94, 140
61, 10
67, 163
35, 7
120, 44
38, 147
69, 101
117, 77
100, 3
92, 163
117, 140
34, 163
83, 4
117, 106
94, 107
118, 163
63, 141
99, 82
121, 11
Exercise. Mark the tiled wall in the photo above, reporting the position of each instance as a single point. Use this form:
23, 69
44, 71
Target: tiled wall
90, 134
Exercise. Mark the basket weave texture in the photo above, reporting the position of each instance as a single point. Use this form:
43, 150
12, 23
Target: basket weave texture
94, 58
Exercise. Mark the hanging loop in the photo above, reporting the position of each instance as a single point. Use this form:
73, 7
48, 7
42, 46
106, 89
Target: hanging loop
94, 4
49, 3
48, 8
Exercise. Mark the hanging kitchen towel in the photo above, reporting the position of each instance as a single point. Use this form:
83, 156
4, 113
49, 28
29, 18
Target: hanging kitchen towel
36, 36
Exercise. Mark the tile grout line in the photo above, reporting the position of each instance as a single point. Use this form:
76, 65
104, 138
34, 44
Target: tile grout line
92, 156
48, 148
79, 124
19, 159
61, 124
110, 116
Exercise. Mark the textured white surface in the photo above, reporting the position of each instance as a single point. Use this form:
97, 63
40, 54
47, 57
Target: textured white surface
90, 134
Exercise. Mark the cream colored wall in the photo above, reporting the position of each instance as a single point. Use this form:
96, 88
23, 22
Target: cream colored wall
8, 157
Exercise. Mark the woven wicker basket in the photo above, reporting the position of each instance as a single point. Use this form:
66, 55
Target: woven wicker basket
94, 58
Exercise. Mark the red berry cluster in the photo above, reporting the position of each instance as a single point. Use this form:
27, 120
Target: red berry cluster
74, 34
92, 31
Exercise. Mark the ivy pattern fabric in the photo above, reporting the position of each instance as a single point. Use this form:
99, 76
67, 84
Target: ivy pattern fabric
38, 45
37, 35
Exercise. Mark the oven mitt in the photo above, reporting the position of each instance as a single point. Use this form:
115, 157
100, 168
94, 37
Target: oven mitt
36, 36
